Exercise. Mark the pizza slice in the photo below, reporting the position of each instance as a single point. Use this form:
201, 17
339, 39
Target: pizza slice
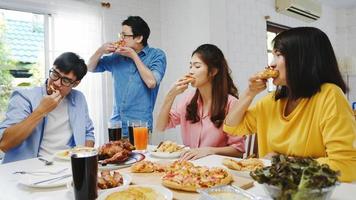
50, 89
268, 72
147, 167
243, 165
143, 167
119, 44
190, 78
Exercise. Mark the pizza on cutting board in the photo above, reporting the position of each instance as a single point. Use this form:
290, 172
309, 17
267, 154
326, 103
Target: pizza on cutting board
183, 175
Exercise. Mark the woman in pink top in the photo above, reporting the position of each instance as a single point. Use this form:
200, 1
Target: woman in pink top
201, 113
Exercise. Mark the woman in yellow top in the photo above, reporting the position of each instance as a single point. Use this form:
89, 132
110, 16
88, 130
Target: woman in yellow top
308, 115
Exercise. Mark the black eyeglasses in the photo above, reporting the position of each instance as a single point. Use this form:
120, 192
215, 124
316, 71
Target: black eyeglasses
54, 75
123, 35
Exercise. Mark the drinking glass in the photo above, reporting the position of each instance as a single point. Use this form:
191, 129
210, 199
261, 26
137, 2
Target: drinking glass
130, 126
85, 174
114, 130
141, 136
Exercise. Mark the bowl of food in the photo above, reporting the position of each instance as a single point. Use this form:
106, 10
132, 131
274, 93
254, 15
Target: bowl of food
296, 178
226, 192
318, 194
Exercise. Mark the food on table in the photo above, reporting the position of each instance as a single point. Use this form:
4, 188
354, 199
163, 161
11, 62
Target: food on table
176, 165
115, 151
67, 153
168, 147
269, 72
147, 167
243, 165
110, 179
296, 177
183, 175
136, 193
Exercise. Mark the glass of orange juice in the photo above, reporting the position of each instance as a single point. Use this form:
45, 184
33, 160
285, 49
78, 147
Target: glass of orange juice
140, 133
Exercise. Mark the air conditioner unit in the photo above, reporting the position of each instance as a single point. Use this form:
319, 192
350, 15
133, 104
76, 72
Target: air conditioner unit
306, 10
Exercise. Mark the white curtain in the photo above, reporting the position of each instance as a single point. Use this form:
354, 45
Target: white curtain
80, 31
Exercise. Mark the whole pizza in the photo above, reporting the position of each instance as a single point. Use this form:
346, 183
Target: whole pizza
185, 176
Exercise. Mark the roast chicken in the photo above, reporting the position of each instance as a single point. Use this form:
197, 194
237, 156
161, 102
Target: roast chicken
115, 151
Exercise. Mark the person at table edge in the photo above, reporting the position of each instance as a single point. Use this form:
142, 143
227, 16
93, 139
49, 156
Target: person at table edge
308, 115
201, 113
43, 120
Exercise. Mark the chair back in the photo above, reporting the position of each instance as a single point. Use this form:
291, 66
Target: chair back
251, 146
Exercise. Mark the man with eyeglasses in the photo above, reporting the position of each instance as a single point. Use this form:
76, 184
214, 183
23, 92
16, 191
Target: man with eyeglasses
41, 121
137, 70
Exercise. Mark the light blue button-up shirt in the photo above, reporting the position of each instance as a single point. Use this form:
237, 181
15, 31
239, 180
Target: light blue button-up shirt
24, 101
133, 100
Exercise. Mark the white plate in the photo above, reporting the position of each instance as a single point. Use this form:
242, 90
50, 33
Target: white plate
134, 158
65, 154
168, 195
166, 154
30, 179
159, 154
127, 181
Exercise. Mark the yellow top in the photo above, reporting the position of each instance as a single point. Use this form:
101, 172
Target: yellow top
321, 127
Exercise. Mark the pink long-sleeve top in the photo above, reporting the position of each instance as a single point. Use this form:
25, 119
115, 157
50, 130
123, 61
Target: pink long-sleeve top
202, 133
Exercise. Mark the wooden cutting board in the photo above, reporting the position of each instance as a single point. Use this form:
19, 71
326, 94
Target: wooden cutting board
155, 179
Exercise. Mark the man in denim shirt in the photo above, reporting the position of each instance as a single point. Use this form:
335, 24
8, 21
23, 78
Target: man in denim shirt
43, 120
137, 70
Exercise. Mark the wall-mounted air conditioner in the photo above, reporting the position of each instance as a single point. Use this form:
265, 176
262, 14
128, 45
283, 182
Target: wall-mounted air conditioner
306, 10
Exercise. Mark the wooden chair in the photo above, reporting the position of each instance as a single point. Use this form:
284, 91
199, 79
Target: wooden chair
251, 146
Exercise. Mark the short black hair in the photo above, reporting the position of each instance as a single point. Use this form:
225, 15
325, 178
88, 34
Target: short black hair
310, 62
139, 27
70, 61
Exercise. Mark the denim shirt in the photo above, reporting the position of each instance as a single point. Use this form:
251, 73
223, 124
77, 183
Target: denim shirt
24, 101
133, 100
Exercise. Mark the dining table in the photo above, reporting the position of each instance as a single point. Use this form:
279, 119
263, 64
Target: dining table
12, 189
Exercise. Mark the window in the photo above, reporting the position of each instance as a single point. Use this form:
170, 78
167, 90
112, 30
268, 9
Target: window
22, 52
272, 30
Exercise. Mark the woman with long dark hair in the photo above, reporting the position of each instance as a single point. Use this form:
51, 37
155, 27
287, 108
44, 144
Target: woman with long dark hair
308, 115
201, 114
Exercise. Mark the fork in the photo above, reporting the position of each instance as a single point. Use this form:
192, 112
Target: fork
40, 172
46, 162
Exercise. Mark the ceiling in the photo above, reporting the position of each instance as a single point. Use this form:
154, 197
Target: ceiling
339, 3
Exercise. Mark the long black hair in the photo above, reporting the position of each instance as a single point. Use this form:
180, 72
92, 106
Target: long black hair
222, 85
310, 62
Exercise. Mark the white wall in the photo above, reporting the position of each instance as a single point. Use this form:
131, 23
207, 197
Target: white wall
346, 47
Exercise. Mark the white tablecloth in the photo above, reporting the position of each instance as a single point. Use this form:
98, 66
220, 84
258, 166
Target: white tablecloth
10, 189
